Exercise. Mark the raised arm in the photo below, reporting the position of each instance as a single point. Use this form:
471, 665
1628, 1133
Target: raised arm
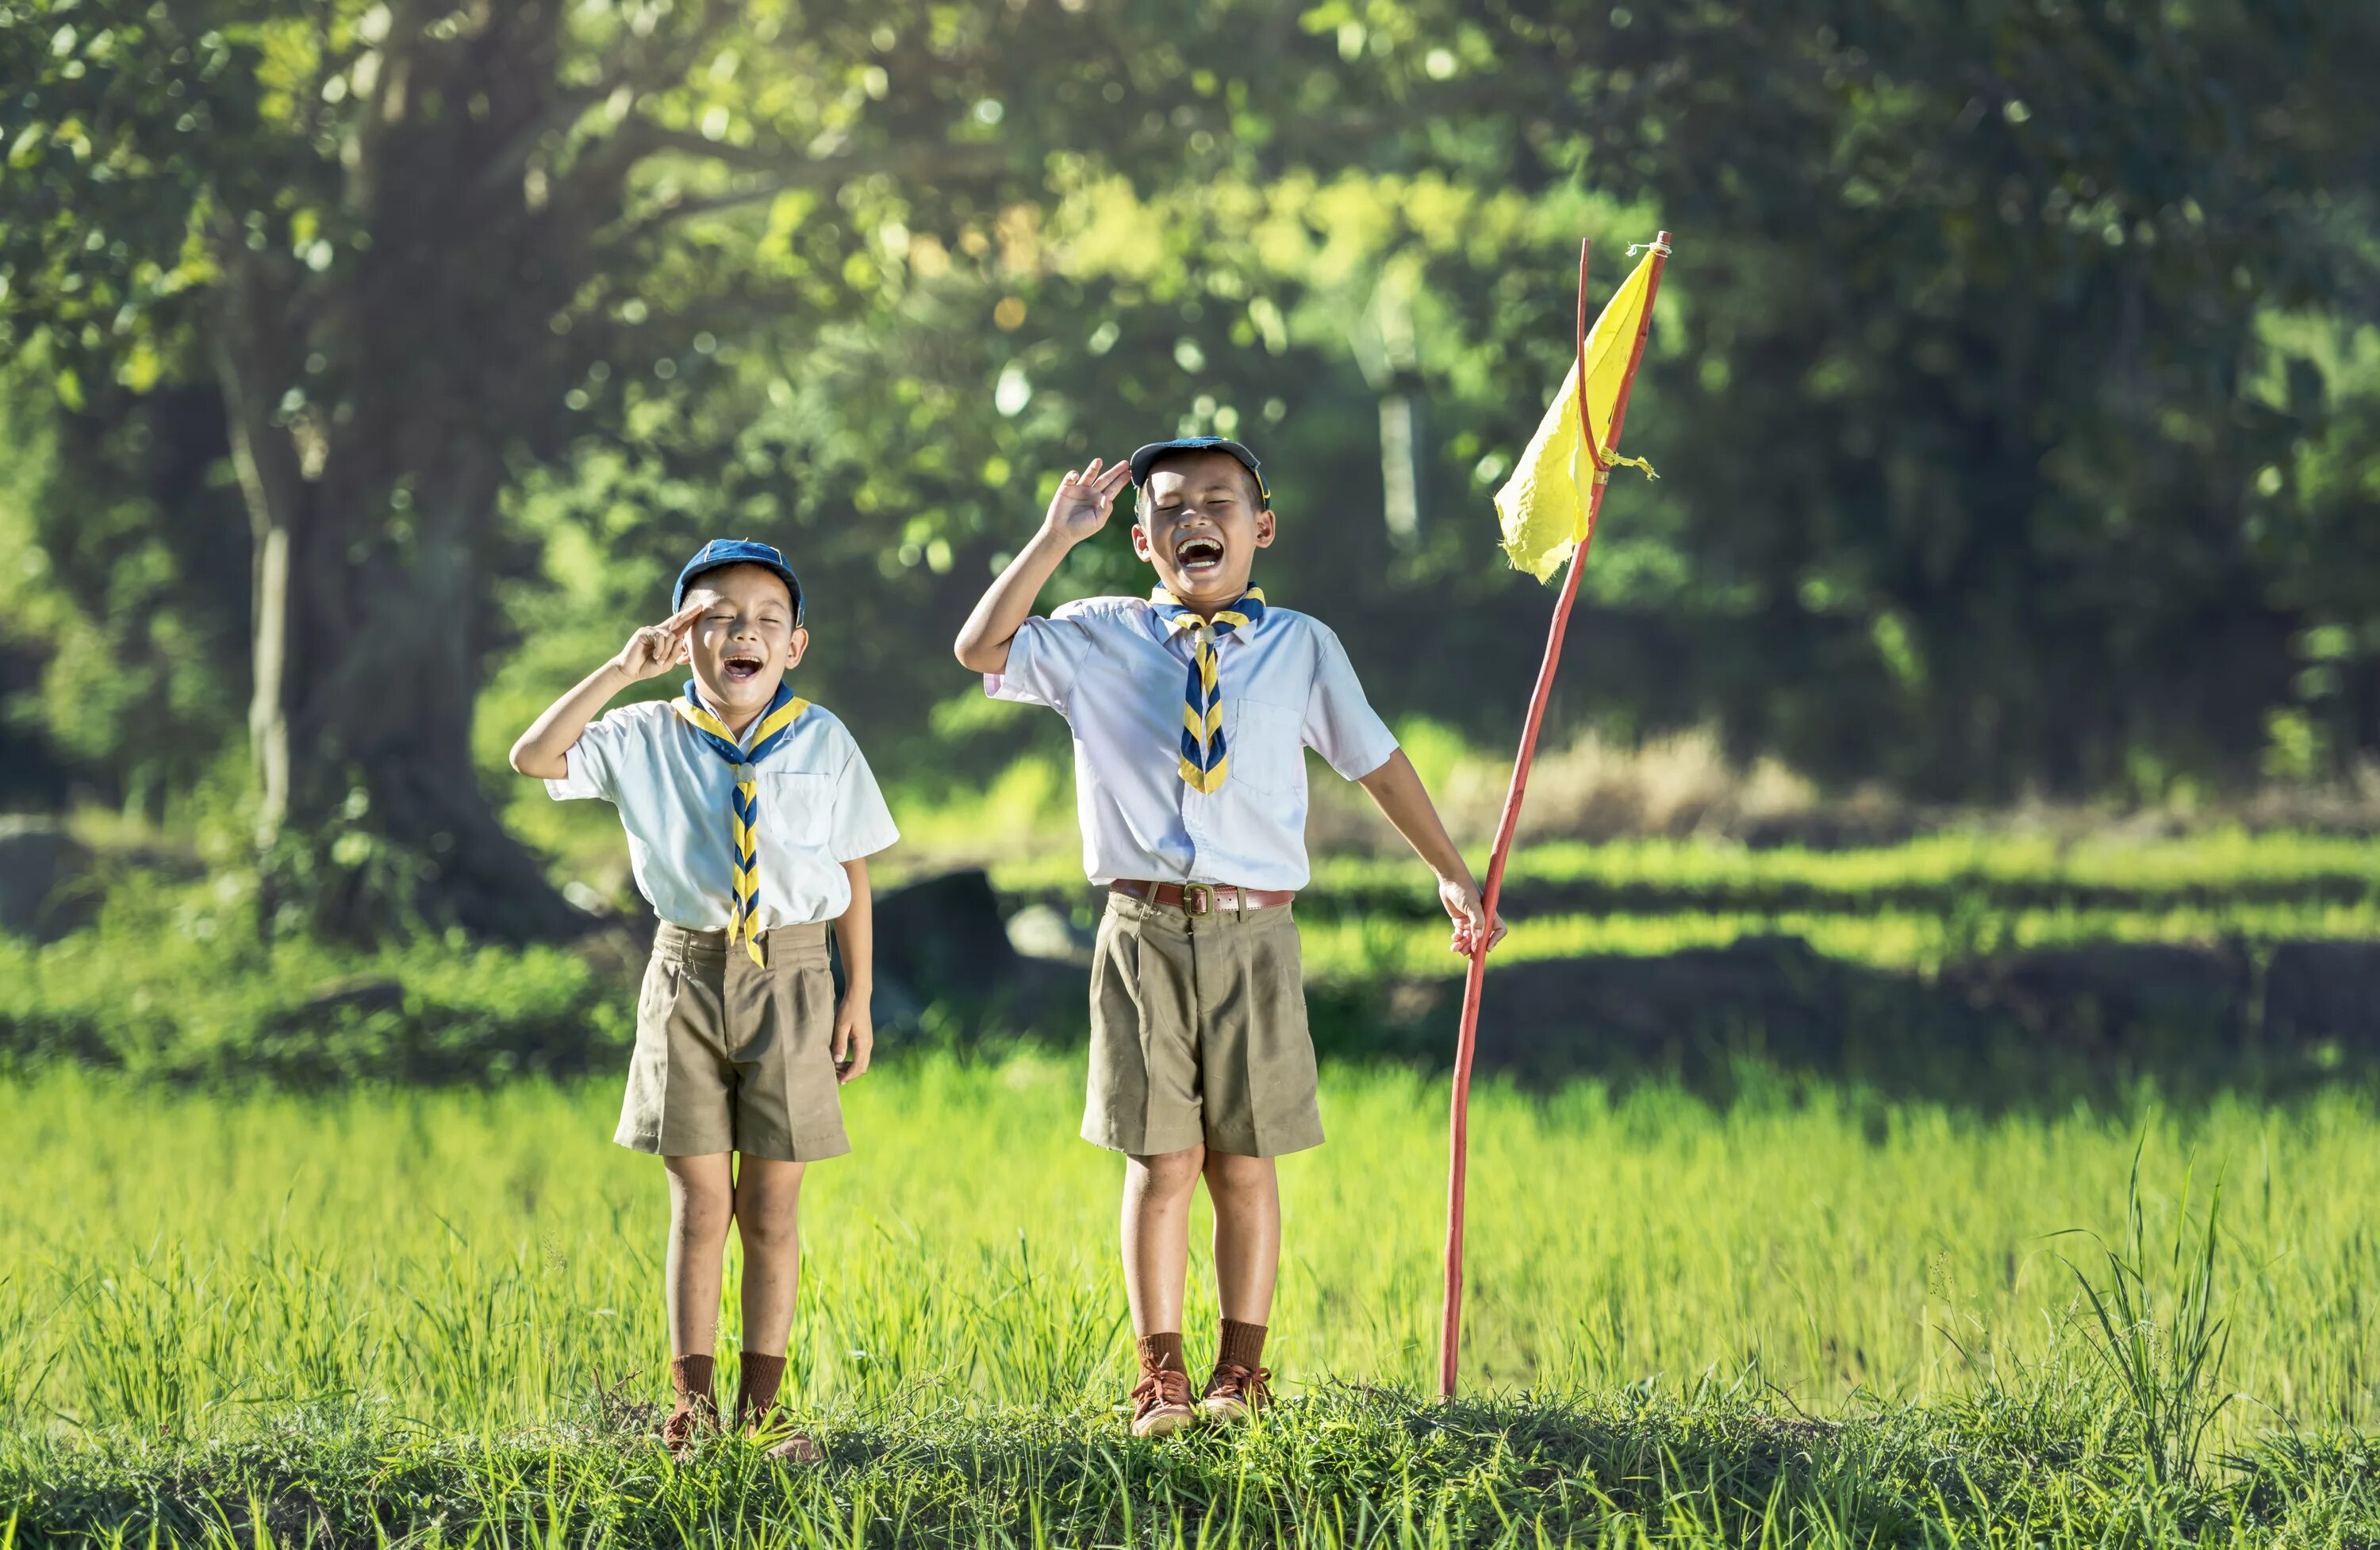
1085, 499
543, 751
1396, 787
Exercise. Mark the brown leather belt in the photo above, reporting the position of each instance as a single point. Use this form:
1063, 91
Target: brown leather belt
1201, 899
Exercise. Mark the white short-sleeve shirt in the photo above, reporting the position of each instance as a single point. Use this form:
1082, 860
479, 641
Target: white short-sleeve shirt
819, 807
1117, 672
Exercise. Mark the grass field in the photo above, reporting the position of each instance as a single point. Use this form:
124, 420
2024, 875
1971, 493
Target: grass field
1700, 874
354, 1313
176, 982
1914, 907
1812, 1317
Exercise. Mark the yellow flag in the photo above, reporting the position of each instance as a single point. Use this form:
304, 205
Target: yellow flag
1543, 505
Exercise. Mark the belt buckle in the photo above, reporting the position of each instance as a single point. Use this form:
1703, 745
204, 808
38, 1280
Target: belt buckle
1199, 899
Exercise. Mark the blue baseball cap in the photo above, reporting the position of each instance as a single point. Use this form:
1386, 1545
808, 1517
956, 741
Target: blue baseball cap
1155, 450
739, 552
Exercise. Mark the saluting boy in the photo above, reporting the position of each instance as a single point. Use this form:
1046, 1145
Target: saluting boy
1192, 709
750, 815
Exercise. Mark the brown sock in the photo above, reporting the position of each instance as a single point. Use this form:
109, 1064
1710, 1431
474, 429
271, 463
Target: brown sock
1243, 1345
1163, 1352
756, 1389
690, 1378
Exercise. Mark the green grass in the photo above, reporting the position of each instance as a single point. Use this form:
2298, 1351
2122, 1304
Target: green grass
1919, 906
2219, 861
1812, 1314
244, 1315
175, 984
1363, 946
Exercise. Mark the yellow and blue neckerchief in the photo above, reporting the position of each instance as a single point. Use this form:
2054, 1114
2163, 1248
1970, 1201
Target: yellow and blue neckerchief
1206, 763
768, 733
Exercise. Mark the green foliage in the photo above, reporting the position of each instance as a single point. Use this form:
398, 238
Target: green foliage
2167, 1360
178, 984
2013, 378
1993, 454
124, 584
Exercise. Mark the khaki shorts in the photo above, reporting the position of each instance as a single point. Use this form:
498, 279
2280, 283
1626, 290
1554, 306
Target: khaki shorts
1198, 1034
732, 1057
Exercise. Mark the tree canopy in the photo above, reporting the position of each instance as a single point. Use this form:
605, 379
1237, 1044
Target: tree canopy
2016, 387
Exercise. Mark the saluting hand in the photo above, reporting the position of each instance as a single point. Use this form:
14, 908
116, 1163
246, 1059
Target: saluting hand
654, 649
1086, 498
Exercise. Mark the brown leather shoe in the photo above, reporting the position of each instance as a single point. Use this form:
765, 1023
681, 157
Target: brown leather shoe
761, 1420
772, 1430
688, 1425
796, 1449
1160, 1405
1234, 1393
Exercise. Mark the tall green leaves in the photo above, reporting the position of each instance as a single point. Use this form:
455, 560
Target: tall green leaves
2155, 1331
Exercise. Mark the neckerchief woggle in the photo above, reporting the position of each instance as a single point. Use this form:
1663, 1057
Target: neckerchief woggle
768, 734
1206, 762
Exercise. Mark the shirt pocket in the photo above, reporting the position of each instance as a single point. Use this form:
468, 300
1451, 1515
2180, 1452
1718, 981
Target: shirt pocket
796, 808
1266, 742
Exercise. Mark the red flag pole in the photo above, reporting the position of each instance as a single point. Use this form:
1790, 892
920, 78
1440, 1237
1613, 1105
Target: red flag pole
1450, 1341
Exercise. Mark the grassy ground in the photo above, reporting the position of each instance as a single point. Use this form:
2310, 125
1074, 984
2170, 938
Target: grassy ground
1812, 1316
1915, 906
1366, 947
176, 982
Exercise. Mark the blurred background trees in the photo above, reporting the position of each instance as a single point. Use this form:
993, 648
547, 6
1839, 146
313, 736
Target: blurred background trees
2016, 388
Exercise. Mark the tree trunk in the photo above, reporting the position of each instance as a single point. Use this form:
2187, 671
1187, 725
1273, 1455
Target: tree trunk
366, 650
374, 400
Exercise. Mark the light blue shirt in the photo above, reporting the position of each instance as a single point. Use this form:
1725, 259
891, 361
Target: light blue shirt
1116, 670
819, 807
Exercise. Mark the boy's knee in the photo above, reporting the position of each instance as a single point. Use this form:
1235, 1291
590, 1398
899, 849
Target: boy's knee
1171, 1172
767, 1233
1236, 1164
702, 1221
701, 1207
1231, 1171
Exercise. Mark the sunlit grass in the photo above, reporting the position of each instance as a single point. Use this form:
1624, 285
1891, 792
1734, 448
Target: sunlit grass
427, 1319
1954, 862
1914, 906
1356, 947
2215, 859
480, 1261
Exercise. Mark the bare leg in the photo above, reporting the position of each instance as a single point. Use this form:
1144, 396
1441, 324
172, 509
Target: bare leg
1246, 1195
767, 1195
1157, 1193
702, 1198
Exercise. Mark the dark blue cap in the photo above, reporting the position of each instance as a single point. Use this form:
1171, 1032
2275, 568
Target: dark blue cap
1155, 450
737, 551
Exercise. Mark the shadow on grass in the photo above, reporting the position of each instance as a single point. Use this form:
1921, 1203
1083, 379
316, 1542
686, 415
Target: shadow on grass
1340, 1466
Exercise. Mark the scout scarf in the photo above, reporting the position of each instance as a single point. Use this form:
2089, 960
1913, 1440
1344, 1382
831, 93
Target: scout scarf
774, 726
1205, 761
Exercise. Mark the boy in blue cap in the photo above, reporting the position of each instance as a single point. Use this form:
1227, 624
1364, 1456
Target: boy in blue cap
750, 815
1192, 710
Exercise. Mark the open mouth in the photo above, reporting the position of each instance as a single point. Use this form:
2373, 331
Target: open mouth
1198, 554
740, 666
